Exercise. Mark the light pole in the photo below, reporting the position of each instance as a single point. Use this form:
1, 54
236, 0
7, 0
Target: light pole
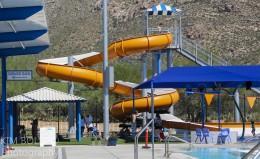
105, 72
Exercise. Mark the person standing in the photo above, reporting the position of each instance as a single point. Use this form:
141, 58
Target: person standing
82, 122
35, 130
89, 124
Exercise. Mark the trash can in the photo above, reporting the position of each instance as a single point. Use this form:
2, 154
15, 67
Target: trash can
1, 149
112, 141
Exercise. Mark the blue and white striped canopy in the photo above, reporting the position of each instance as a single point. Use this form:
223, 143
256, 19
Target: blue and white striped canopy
162, 9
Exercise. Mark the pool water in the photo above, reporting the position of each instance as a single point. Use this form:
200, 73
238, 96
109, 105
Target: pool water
217, 153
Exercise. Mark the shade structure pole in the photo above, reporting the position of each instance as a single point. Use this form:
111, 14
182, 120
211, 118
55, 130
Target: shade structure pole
144, 78
152, 111
3, 103
202, 109
237, 117
11, 122
105, 71
78, 122
241, 115
133, 114
219, 110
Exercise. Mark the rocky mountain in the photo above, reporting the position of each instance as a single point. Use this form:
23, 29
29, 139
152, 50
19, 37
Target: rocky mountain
228, 28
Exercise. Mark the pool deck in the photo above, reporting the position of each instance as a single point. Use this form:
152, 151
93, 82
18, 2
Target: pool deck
125, 151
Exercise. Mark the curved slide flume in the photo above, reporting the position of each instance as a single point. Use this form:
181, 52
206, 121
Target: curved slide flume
93, 78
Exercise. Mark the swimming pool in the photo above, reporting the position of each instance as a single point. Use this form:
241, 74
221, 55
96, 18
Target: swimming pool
217, 153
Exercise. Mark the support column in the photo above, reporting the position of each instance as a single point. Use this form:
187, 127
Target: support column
170, 64
133, 115
169, 58
237, 116
144, 78
105, 72
70, 91
11, 123
152, 111
219, 110
3, 103
78, 121
202, 109
158, 63
15, 118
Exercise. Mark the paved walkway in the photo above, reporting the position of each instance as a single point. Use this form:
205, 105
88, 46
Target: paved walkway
106, 152
84, 152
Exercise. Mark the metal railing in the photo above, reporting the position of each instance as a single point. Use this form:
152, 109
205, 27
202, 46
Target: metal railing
137, 138
168, 139
254, 153
201, 55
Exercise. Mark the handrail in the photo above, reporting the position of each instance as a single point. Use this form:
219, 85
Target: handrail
254, 153
167, 140
137, 137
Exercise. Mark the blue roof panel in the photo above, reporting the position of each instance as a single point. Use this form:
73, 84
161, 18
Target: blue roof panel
206, 77
18, 13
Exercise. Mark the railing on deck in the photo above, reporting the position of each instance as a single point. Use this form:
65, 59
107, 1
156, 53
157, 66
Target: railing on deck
168, 139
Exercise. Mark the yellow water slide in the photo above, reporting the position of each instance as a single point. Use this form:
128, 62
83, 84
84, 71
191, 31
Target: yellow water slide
118, 49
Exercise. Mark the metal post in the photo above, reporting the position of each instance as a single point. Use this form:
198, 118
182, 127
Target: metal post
144, 78
58, 120
105, 72
147, 23
78, 121
3, 103
11, 122
133, 115
152, 111
237, 116
219, 110
158, 63
180, 34
202, 109
211, 59
70, 91
196, 52
169, 58
15, 118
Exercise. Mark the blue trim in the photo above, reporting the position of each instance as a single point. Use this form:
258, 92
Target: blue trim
21, 36
21, 51
18, 13
78, 122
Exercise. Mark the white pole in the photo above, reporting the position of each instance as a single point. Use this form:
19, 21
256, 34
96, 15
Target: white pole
105, 72
70, 91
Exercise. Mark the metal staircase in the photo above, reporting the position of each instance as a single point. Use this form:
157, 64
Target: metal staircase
197, 54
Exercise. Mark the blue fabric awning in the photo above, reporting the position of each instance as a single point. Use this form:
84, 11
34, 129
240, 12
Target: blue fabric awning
162, 9
206, 77
19, 9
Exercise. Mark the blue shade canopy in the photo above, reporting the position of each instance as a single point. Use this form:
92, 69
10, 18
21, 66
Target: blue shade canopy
23, 37
162, 9
206, 77
24, 47
21, 30
19, 9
